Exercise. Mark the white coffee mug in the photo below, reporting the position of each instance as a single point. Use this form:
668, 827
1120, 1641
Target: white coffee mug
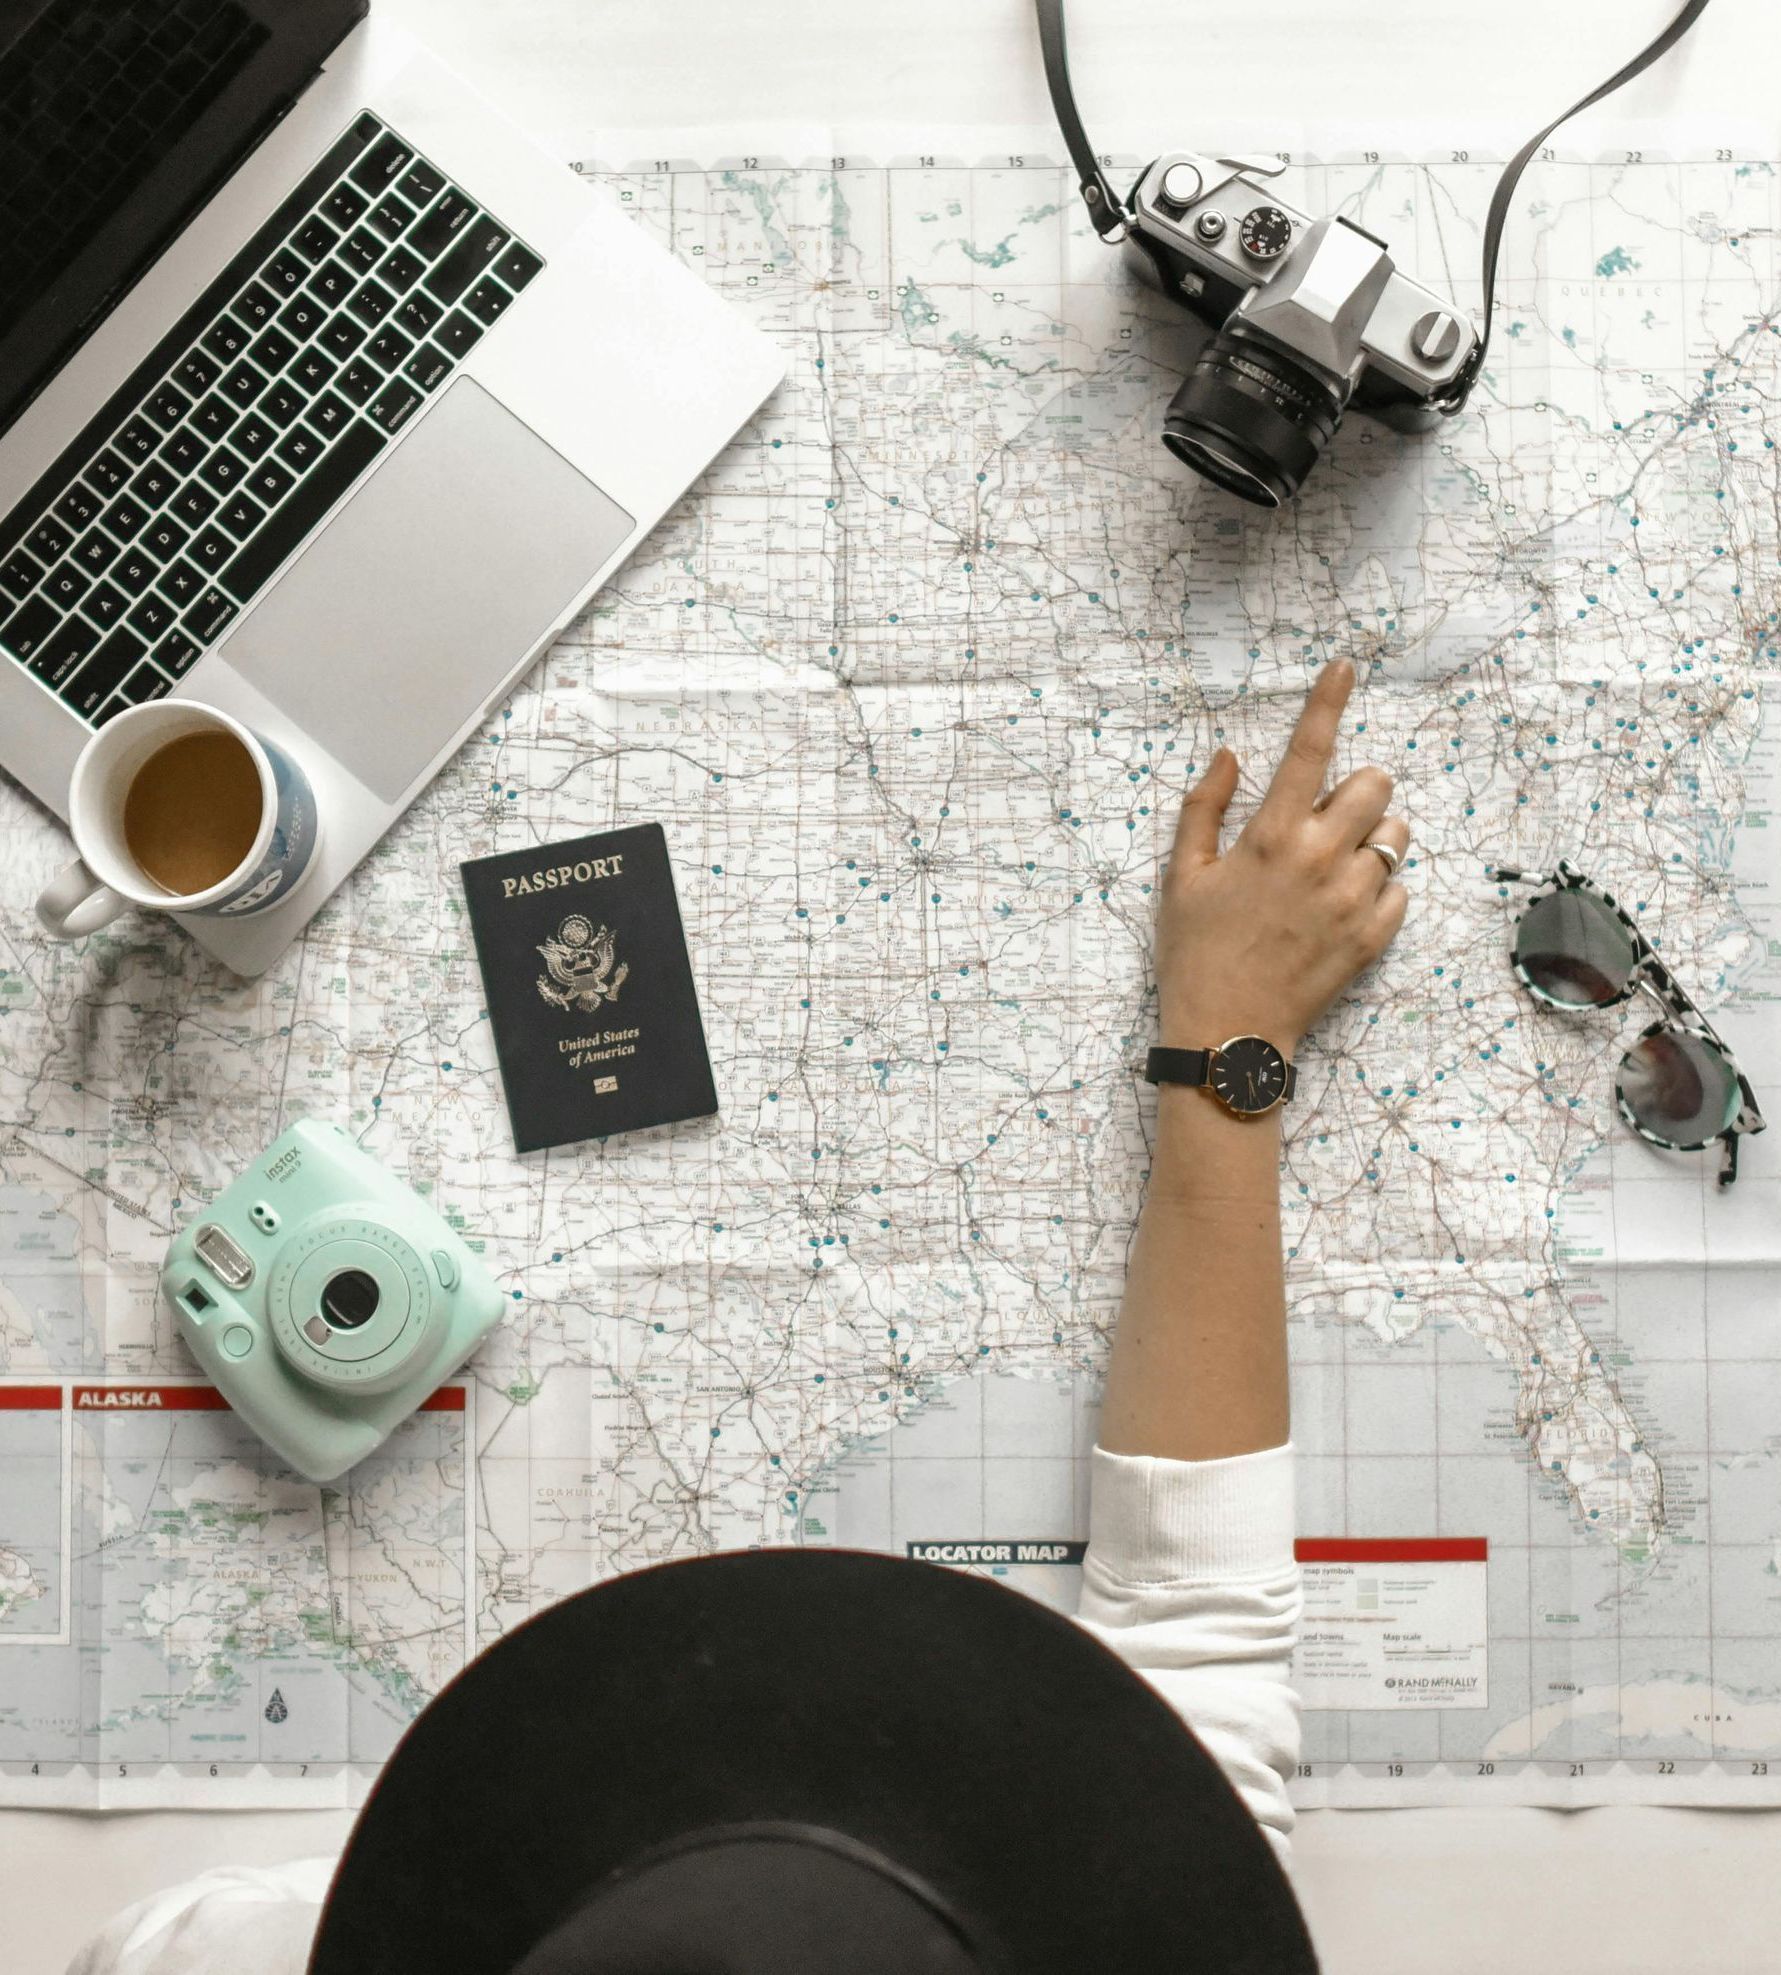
106, 879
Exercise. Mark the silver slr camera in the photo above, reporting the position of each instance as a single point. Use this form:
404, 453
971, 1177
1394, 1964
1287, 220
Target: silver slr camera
1310, 315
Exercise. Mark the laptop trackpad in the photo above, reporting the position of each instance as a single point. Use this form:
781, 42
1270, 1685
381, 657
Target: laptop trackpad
393, 628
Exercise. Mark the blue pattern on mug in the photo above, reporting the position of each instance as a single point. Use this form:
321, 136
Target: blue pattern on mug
293, 841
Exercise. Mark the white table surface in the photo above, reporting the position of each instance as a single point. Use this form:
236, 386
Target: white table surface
1603, 1892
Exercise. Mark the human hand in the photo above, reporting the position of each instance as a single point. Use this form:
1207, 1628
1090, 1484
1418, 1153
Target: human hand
1261, 940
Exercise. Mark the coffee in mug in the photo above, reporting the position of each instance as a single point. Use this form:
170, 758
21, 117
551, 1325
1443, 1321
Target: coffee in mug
193, 811
179, 807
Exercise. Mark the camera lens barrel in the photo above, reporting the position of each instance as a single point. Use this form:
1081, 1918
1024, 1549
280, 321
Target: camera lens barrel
1251, 418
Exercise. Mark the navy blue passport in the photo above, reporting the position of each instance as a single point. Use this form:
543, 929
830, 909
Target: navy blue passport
590, 992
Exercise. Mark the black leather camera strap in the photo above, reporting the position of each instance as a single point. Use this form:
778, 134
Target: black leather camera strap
1107, 211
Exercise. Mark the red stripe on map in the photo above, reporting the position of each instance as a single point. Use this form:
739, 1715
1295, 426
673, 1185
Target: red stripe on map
30, 1398
1392, 1549
448, 1399
149, 1399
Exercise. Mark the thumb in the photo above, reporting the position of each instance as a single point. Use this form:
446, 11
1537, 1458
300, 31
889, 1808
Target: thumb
1202, 812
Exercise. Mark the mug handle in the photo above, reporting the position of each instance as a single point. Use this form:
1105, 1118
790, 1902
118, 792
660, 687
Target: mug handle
76, 904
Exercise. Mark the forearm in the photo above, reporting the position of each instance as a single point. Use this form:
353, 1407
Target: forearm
1199, 1369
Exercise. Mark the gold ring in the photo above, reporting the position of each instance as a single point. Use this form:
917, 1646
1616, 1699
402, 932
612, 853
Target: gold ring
1392, 857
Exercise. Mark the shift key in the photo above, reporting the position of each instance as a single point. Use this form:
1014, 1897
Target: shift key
467, 259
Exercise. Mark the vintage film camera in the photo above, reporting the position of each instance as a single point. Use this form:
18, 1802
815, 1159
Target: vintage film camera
325, 1300
1310, 315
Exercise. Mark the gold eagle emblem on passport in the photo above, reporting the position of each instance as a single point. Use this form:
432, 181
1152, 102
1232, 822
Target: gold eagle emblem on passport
579, 960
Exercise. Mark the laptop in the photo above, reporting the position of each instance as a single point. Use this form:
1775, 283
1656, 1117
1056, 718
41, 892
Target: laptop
325, 397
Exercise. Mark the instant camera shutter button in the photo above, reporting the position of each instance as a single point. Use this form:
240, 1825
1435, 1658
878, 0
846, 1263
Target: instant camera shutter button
1211, 226
1181, 186
1435, 337
238, 1341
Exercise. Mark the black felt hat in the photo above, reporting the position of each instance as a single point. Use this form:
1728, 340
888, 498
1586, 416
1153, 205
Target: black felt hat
789, 1760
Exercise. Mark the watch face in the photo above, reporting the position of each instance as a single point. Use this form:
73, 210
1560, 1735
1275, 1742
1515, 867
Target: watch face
1248, 1074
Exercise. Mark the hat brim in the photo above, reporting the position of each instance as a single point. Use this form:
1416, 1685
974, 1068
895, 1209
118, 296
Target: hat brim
987, 1747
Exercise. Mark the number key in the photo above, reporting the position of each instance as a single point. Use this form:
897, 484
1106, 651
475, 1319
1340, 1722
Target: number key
256, 305
196, 371
138, 439
78, 506
285, 273
225, 340
48, 539
108, 473
19, 574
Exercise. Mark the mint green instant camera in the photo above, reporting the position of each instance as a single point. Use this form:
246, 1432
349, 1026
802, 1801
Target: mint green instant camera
325, 1299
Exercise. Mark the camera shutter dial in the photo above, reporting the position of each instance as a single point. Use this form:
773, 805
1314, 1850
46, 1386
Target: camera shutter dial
1265, 234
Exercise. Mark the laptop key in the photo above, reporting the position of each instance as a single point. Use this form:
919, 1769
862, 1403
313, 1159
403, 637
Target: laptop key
138, 439
439, 227
165, 538
60, 657
487, 301
479, 244
303, 507
95, 552
176, 653
20, 574
105, 604
362, 250
342, 336
400, 270
134, 571
393, 404
180, 584
154, 483
280, 404
418, 314
66, 585
420, 182
253, 436
315, 240
225, 340
371, 303
105, 671
518, 265
210, 548
302, 316
196, 372
255, 305
151, 615
332, 284
359, 381
426, 367
388, 347
310, 370
222, 470
285, 272
194, 504
48, 539
241, 516
272, 351
328, 414
298, 447
25, 630
243, 384
344, 205
382, 165
124, 517
184, 452
214, 416
392, 216
107, 473
207, 617
168, 406
270, 482
144, 684
78, 506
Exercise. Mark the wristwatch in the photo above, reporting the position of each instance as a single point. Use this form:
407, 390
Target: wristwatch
1247, 1075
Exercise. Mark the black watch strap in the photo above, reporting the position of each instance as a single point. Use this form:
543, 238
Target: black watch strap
1193, 1067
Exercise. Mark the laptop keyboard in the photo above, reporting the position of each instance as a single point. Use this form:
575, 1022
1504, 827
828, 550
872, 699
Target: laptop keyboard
249, 421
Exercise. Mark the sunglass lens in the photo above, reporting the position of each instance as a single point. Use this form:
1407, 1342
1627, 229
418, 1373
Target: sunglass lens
1678, 1087
1573, 949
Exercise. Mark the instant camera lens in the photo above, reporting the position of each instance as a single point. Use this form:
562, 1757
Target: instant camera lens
1678, 1087
1251, 418
1574, 950
349, 1300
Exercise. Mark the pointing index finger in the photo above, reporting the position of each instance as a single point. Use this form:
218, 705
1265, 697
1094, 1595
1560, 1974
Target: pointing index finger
1299, 778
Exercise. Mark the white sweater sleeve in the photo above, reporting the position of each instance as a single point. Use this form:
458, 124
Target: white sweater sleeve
1190, 1578
226, 1922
